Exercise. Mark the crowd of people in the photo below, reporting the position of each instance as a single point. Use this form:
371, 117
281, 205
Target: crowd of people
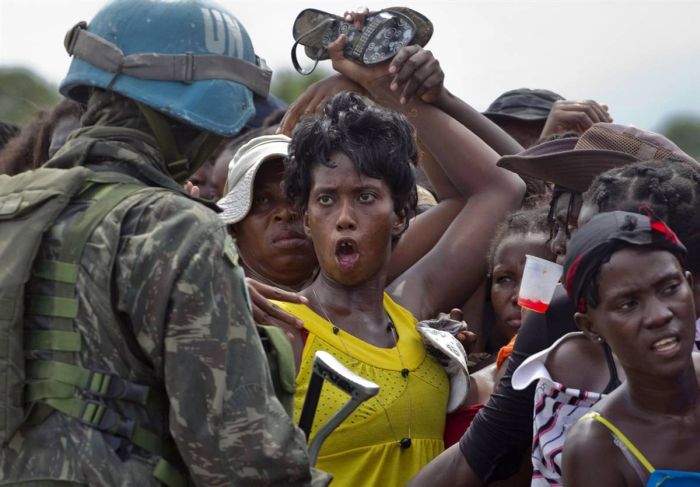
183, 244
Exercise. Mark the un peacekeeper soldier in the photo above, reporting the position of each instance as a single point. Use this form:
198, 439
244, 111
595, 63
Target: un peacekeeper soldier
161, 301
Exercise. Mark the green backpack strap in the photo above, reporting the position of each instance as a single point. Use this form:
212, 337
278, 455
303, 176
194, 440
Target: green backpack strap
30, 202
53, 383
280, 358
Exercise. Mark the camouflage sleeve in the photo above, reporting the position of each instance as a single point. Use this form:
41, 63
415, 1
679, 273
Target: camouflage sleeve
228, 426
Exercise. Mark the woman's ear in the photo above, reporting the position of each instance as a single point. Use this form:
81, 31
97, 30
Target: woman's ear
691, 282
584, 323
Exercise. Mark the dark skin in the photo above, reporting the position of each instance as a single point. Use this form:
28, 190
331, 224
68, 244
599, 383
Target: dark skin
219, 172
450, 467
203, 180
526, 132
592, 373
508, 267
350, 291
574, 116
271, 238
646, 314
564, 223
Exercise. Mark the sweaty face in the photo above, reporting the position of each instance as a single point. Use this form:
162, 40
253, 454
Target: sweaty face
645, 311
351, 220
509, 263
271, 237
564, 223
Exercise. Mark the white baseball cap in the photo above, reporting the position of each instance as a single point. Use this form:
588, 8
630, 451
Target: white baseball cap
241, 174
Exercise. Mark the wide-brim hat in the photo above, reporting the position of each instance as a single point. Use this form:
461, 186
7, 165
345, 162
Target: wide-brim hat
573, 163
242, 171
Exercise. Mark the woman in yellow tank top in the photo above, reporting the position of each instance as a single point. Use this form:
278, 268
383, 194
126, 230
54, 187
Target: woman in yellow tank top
350, 174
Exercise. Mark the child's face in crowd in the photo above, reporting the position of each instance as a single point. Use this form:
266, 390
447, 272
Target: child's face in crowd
351, 220
271, 238
508, 267
645, 311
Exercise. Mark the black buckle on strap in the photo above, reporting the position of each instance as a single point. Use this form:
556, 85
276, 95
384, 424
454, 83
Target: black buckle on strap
72, 36
127, 391
106, 419
117, 388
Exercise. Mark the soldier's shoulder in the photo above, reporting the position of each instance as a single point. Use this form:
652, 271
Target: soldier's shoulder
166, 204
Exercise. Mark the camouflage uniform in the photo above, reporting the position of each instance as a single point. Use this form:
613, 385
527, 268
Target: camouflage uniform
170, 311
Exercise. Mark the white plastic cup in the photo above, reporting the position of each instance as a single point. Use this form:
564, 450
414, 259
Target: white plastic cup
540, 278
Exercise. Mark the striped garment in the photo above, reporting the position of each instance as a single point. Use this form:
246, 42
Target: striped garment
557, 408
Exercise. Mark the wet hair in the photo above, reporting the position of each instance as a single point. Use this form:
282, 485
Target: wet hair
30, 148
521, 222
380, 143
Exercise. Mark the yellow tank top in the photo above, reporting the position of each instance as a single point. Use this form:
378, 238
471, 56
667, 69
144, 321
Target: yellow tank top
364, 450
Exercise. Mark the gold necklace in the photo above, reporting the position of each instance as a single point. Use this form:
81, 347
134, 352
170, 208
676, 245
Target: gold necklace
404, 442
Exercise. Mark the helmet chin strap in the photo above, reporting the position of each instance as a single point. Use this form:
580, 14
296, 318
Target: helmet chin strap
180, 166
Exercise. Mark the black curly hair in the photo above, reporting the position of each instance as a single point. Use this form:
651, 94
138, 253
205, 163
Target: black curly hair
521, 222
380, 143
668, 189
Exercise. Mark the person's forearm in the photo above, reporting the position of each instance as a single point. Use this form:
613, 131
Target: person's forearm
481, 126
467, 160
446, 470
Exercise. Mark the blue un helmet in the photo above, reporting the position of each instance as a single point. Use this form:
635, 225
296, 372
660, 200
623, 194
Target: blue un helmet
189, 60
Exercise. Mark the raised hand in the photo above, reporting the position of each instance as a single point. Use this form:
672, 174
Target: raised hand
576, 116
416, 73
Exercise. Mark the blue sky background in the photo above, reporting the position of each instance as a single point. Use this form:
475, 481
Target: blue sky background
642, 58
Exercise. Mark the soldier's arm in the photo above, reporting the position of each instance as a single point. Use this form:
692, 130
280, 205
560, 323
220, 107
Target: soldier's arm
224, 416
192, 318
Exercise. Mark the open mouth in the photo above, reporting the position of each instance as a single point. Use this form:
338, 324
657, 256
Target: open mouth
346, 254
666, 345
